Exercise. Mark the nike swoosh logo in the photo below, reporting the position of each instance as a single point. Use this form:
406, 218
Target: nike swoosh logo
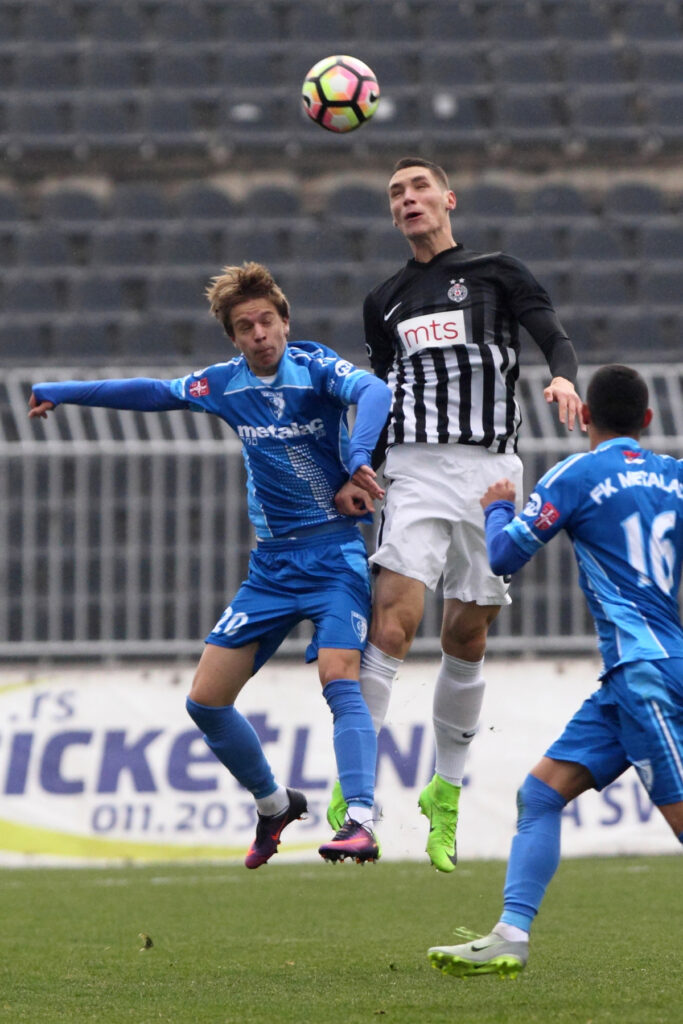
469, 735
392, 310
478, 949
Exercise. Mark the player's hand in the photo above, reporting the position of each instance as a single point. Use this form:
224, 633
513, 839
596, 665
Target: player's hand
36, 408
569, 404
366, 478
351, 500
502, 490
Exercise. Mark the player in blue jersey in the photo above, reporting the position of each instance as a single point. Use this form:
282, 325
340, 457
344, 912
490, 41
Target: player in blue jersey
622, 507
288, 405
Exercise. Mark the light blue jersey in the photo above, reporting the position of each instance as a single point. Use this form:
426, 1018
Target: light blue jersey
293, 427
622, 507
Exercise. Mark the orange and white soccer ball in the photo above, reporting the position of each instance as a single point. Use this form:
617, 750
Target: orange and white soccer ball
340, 93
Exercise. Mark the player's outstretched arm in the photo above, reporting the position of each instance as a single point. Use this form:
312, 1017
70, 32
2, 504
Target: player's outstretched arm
569, 404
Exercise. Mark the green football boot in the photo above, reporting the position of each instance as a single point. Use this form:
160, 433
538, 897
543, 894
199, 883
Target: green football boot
336, 811
438, 801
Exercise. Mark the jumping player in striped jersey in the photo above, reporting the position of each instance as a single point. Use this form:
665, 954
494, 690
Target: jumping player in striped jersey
444, 333
622, 507
288, 405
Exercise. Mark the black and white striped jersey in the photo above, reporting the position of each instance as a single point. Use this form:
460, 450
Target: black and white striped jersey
445, 337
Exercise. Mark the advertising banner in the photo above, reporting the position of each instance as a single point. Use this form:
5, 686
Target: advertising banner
100, 764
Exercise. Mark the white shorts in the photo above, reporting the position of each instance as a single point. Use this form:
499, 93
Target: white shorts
432, 524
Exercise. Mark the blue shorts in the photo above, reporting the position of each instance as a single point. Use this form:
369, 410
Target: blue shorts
322, 578
635, 718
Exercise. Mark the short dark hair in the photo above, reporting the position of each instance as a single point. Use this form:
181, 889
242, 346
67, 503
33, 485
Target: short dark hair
418, 161
617, 398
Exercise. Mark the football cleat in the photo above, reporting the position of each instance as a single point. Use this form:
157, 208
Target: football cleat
487, 954
269, 829
352, 840
337, 808
438, 801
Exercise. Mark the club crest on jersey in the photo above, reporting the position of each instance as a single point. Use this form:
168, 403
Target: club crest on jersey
549, 515
533, 505
458, 291
360, 626
277, 401
199, 388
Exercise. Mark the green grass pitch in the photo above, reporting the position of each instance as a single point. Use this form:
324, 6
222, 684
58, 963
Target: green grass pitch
321, 943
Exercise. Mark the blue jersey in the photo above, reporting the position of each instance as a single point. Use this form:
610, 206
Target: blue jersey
622, 507
293, 428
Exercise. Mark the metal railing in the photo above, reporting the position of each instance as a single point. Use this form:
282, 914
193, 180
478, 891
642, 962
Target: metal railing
125, 534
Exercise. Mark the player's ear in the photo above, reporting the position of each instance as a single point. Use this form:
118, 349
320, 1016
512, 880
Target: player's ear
585, 413
451, 200
647, 418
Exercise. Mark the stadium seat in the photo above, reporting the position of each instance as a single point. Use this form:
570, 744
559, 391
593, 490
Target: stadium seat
661, 286
661, 65
194, 247
174, 118
558, 202
44, 246
203, 201
111, 69
440, 26
509, 22
121, 247
443, 65
601, 287
45, 70
595, 243
312, 242
384, 242
99, 292
29, 295
356, 202
178, 290
243, 70
101, 120
653, 19
599, 65
510, 70
661, 240
139, 201
71, 203
184, 23
22, 342
320, 23
608, 116
272, 201
179, 70
248, 21
10, 206
527, 116
633, 201
582, 21
47, 23
485, 200
116, 23
665, 113
41, 122
385, 20
531, 243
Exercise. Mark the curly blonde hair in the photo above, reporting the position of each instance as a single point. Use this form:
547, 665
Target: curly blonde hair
238, 284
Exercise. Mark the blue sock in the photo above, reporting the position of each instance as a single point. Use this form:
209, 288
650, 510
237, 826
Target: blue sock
535, 851
355, 741
236, 745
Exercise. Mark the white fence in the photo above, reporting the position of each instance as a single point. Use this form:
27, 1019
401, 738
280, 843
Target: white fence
125, 534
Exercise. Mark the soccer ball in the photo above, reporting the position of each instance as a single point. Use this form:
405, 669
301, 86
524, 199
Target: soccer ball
340, 93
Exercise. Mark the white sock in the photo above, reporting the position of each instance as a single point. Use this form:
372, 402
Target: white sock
275, 803
360, 813
511, 932
458, 696
377, 671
